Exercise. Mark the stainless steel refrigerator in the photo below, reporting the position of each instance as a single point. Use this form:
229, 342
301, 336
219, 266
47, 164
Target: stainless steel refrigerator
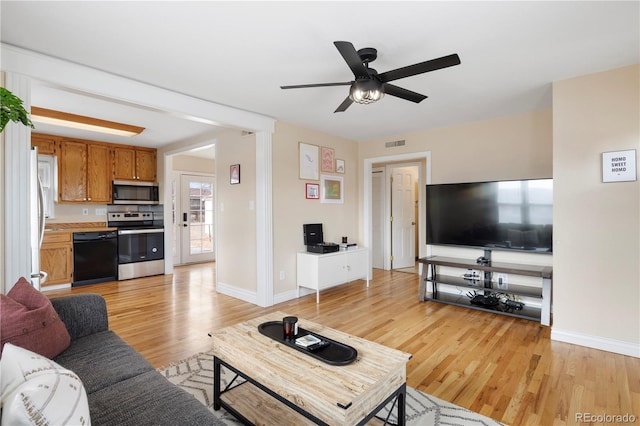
36, 219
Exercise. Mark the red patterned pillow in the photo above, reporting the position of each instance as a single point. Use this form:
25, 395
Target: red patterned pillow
28, 320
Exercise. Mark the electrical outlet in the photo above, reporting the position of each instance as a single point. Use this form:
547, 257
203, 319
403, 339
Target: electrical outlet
85, 212
503, 281
101, 212
281, 275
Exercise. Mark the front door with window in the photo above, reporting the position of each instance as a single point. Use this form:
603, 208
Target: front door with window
196, 220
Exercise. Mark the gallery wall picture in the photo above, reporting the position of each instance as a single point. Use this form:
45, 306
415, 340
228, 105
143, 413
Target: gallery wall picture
234, 174
331, 189
327, 158
308, 161
339, 166
312, 191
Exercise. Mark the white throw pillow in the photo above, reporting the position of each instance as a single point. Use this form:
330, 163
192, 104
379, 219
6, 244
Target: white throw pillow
36, 390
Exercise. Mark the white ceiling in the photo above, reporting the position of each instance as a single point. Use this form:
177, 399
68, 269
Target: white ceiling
240, 53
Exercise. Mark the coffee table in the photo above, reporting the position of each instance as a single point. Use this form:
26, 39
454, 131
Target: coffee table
285, 386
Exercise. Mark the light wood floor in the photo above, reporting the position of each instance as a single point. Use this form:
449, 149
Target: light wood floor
502, 367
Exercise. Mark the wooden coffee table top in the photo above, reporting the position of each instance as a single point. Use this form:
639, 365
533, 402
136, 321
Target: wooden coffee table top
317, 387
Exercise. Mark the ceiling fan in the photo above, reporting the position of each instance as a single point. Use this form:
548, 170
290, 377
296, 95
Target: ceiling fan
369, 86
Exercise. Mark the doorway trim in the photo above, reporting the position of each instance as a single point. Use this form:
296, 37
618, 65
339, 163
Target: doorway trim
424, 179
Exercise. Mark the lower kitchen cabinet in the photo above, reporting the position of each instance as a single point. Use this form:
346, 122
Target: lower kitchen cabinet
56, 257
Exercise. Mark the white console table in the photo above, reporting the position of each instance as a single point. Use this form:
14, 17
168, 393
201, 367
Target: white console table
319, 271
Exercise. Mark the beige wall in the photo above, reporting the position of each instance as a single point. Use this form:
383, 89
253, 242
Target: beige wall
291, 209
189, 163
513, 147
236, 215
596, 225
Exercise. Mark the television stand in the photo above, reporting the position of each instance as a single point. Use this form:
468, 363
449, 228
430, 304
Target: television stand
432, 284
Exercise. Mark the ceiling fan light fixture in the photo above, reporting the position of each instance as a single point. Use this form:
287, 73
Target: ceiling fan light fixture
366, 91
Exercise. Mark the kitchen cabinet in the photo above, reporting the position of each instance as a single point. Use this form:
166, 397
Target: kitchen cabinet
46, 144
84, 172
134, 163
320, 271
56, 258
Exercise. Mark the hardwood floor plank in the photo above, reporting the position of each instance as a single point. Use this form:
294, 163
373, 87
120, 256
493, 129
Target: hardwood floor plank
499, 366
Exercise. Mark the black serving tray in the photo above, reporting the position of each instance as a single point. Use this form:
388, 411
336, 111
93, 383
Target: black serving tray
329, 351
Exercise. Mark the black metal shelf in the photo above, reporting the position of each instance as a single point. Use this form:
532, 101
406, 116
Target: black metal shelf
518, 290
527, 312
484, 285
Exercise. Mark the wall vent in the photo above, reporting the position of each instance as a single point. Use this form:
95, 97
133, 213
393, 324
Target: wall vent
246, 133
394, 143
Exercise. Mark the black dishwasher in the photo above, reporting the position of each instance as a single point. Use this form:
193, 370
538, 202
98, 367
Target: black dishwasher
95, 257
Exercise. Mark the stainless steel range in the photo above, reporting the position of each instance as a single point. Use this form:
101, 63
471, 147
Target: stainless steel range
140, 243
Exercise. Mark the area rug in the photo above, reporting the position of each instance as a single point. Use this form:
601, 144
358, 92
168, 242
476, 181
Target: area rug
195, 375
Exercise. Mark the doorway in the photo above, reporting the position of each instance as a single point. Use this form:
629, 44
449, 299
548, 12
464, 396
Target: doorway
375, 171
395, 228
195, 224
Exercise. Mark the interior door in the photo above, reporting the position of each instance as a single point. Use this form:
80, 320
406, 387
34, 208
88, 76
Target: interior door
196, 221
404, 180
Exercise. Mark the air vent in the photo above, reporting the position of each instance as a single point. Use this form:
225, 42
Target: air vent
394, 143
246, 133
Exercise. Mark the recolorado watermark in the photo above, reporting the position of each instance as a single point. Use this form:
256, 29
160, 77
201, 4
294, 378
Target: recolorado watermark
605, 418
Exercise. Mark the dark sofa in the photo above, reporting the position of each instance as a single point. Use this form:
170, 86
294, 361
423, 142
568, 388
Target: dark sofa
122, 387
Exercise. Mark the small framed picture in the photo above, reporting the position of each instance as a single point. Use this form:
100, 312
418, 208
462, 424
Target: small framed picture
339, 166
331, 189
234, 174
313, 191
327, 159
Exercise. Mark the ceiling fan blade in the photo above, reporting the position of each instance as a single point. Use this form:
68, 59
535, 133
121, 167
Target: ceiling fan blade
304, 86
422, 67
399, 92
352, 59
344, 105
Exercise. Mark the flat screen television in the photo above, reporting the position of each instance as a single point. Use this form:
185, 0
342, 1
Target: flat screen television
503, 215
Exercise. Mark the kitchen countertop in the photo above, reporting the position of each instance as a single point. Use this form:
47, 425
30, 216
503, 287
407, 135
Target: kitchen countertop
78, 227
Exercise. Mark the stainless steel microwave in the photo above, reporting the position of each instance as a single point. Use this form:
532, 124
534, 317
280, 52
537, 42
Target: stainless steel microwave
135, 192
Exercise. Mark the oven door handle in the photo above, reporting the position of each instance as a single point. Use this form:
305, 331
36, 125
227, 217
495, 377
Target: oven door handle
140, 231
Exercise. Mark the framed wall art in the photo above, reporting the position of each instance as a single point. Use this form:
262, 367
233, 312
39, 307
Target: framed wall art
308, 161
619, 166
331, 189
312, 191
234, 174
327, 156
339, 166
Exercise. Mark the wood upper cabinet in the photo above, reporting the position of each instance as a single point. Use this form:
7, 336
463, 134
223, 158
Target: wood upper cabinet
133, 163
84, 172
98, 173
46, 144
72, 172
146, 164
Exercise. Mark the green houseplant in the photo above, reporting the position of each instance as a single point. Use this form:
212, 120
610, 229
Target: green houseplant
12, 110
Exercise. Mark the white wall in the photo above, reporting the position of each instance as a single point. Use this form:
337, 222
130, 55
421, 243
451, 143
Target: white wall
596, 225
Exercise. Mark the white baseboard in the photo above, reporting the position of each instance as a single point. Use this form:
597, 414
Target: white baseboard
596, 342
285, 296
238, 293
55, 287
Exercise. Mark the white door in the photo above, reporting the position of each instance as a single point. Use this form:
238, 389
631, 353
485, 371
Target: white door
378, 217
404, 181
196, 221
